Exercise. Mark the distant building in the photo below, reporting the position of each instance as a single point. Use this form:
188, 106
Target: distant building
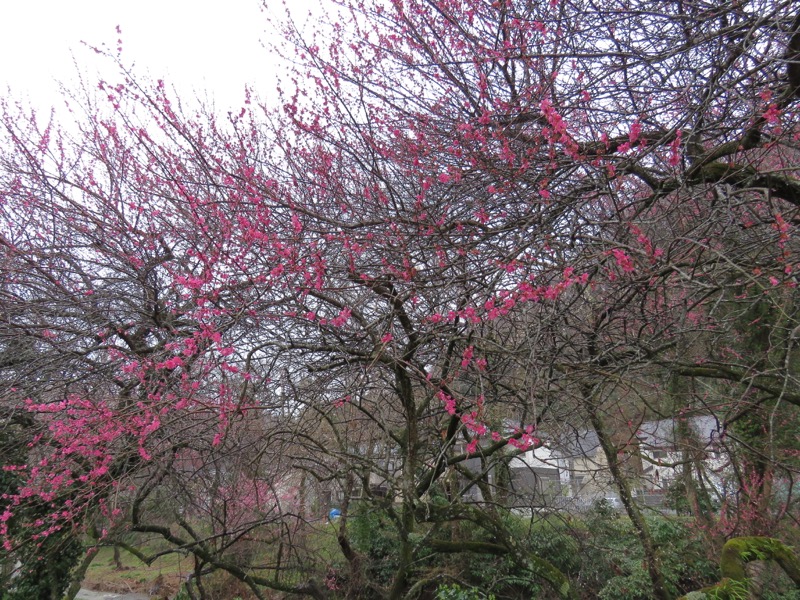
571, 471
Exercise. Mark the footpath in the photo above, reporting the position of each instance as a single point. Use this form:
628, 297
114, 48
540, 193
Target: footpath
90, 595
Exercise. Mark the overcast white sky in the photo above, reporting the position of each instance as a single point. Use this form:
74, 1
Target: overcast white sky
211, 46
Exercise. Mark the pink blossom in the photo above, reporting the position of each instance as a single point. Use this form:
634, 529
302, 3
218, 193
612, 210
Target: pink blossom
675, 149
635, 131
466, 357
623, 260
449, 402
296, 224
342, 318
172, 363
772, 114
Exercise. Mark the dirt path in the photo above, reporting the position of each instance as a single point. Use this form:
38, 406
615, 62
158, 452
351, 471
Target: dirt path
90, 595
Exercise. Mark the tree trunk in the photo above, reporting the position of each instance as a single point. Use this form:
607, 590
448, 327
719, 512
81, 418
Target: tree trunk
625, 495
79, 574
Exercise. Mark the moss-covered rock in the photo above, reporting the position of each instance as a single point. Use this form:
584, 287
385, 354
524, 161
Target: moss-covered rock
736, 553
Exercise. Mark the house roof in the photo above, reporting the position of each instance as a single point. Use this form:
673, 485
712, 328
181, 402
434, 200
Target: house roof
576, 443
661, 434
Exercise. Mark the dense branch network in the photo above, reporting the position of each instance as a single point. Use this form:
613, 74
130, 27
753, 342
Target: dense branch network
480, 225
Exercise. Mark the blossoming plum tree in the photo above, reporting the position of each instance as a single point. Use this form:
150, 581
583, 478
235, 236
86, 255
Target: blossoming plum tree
467, 221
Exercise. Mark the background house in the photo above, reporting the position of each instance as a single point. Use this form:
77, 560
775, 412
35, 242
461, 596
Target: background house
537, 478
571, 471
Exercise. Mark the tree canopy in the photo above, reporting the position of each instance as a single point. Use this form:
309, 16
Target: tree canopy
468, 224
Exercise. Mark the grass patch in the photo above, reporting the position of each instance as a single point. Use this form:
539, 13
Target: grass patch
135, 576
317, 545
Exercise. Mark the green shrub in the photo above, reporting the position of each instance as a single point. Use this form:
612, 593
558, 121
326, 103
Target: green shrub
374, 535
46, 569
456, 592
619, 572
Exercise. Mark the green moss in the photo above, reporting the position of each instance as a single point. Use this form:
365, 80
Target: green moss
728, 589
547, 571
737, 552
